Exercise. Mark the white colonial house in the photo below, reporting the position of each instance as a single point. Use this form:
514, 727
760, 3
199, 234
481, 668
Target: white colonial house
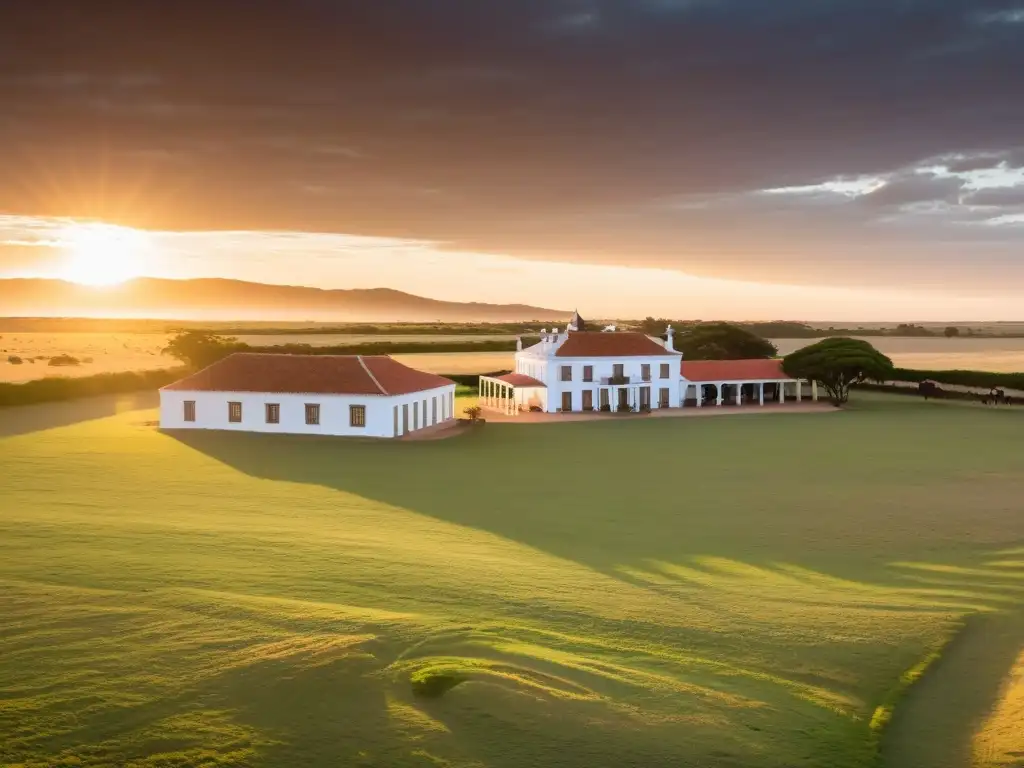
610, 370
353, 395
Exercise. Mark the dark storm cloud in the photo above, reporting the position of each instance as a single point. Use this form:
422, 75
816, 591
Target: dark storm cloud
544, 128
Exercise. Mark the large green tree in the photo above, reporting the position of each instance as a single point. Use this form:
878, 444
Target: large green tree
198, 349
723, 341
838, 363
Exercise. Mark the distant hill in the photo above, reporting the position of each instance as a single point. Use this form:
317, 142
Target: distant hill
219, 299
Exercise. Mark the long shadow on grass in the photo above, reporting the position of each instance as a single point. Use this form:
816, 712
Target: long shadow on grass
934, 726
792, 488
24, 419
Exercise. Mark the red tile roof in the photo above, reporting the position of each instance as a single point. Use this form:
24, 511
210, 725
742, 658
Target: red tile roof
310, 374
733, 370
611, 344
520, 380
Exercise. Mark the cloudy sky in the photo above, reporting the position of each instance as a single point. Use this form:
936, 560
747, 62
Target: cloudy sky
745, 158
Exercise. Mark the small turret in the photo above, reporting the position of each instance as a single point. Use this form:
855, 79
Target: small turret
670, 339
519, 343
577, 323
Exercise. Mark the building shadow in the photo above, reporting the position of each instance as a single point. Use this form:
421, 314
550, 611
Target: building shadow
25, 419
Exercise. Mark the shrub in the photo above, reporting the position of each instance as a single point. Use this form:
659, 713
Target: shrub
58, 360
473, 412
14, 360
434, 683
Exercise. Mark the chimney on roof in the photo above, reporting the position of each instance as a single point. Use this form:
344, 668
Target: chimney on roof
670, 339
519, 343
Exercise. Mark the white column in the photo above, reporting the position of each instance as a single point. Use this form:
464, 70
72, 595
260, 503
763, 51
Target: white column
782, 392
739, 394
814, 390
718, 387
700, 394
511, 395
760, 394
799, 393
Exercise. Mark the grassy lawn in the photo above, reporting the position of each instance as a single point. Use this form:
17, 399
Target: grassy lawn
735, 591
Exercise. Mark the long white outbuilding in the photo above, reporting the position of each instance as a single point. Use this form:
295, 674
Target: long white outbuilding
345, 395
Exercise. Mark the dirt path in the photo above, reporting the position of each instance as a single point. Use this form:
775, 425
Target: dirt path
934, 726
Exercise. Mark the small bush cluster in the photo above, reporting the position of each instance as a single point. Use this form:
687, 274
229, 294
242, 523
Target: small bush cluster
59, 360
14, 360
434, 683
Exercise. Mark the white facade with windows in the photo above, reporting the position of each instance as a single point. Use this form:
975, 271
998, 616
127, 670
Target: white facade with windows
347, 396
341, 415
580, 370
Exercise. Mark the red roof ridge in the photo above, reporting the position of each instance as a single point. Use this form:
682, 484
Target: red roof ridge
612, 344
374, 375
370, 374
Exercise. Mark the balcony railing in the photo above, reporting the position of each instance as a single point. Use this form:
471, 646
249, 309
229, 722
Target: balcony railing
615, 380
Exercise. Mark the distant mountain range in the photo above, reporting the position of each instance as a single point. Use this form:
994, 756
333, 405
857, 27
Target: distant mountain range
219, 299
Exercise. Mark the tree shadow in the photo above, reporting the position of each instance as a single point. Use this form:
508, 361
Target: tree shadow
25, 419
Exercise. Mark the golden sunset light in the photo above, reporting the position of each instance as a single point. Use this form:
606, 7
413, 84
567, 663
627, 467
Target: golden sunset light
533, 384
103, 254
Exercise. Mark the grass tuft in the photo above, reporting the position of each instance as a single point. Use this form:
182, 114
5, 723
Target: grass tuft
433, 683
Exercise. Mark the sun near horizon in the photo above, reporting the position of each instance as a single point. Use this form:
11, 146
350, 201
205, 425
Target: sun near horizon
100, 254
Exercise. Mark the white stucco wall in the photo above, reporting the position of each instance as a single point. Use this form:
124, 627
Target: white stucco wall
549, 370
382, 412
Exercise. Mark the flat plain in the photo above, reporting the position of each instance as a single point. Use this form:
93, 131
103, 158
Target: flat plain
730, 591
112, 352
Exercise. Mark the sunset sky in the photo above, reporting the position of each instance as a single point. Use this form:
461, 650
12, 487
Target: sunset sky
819, 159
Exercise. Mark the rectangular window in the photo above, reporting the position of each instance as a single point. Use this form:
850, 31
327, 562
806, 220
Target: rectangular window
273, 413
663, 397
312, 413
433, 410
567, 401
357, 415
416, 415
618, 370
566, 373
604, 399
190, 410
588, 400
664, 370
588, 373
235, 413
645, 372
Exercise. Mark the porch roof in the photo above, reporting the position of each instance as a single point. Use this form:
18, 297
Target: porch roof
734, 370
518, 380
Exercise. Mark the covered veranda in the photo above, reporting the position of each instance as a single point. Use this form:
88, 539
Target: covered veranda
741, 382
511, 393
747, 392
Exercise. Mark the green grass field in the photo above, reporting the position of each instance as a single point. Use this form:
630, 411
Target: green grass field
734, 591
